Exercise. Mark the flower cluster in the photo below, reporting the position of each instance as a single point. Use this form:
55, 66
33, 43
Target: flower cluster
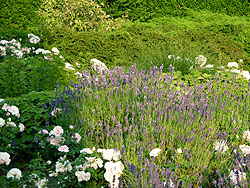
39, 183
237, 177
55, 111
56, 136
18, 51
109, 154
33, 38
14, 46
82, 176
234, 69
98, 66
12, 109
81, 165
69, 66
113, 169
113, 173
221, 146
245, 149
9, 111
63, 165
200, 60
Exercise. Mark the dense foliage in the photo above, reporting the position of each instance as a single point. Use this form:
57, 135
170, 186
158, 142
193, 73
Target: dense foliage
33, 74
221, 38
25, 66
148, 9
19, 14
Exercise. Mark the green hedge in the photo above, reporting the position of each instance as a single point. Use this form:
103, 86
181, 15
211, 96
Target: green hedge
19, 14
144, 10
219, 37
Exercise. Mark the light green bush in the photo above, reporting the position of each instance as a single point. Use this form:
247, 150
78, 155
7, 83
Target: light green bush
78, 15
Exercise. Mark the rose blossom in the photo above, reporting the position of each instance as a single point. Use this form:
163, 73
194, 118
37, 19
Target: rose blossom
78, 137
63, 148
14, 173
21, 126
2, 122
57, 131
179, 150
43, 131
56, 140
82, 176
14, 110
4, 158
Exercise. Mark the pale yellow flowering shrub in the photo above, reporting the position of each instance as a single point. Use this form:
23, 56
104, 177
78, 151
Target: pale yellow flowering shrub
80, 15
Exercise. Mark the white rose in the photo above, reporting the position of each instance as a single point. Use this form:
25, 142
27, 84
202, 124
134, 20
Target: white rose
154, 152
4, 158
14, 173
2, 122
55, 50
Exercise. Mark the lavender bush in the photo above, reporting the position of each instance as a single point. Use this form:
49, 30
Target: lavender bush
198, 129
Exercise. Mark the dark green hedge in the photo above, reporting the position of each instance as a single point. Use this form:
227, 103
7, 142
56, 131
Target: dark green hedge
144, 10
19, 14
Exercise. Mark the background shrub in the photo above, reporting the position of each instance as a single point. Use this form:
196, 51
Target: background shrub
78, 15
19, 14
220, 38
146, 10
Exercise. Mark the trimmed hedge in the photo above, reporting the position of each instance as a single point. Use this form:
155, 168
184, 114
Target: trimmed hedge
143, 42
144, 10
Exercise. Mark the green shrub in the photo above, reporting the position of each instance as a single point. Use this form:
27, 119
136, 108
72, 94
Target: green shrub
159, 55
19, 14
20, 76
33, 108
78, 15
25, 66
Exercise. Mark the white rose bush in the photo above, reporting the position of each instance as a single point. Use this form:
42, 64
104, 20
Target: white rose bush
28, 57
10, 124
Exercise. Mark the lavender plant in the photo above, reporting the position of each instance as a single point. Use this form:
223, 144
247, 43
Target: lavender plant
194, 127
